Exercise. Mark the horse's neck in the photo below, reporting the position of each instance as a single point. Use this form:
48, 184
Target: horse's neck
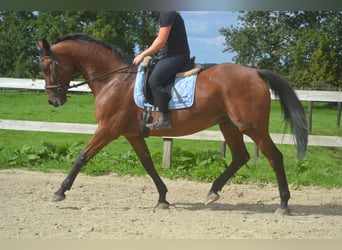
122, 81
92, 62
98, 68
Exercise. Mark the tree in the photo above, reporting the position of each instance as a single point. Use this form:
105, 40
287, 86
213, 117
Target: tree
127, 30
17, 49
124, 29
20, 30
304, 46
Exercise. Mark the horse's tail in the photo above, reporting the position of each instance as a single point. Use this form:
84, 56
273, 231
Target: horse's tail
292, 109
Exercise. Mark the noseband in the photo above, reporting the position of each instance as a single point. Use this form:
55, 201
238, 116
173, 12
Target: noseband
62, 88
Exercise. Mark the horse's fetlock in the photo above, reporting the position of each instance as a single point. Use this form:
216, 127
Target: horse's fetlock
81, 160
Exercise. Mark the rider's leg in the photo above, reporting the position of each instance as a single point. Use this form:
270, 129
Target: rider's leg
162, 74
162, 98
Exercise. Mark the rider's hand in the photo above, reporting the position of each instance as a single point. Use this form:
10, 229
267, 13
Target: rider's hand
138, 59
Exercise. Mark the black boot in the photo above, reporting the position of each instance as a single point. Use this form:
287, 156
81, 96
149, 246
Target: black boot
162, 98
163, 122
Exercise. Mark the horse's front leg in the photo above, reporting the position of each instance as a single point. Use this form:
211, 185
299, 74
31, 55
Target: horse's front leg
98, 141
141, 149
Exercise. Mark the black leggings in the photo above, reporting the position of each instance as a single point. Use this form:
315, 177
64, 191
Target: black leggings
164, 71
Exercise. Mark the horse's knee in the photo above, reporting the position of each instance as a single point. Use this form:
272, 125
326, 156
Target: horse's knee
241, 159
245, 159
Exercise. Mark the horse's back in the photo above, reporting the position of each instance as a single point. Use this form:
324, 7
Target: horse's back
234, 81
240, 90
232, 72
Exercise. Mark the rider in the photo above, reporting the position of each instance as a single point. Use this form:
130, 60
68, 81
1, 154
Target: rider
173, 45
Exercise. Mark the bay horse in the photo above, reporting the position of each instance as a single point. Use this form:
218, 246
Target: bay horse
235, 97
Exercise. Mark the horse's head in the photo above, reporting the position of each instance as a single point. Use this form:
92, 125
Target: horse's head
57, 77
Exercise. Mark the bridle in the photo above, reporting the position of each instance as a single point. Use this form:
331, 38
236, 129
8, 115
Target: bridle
62, 88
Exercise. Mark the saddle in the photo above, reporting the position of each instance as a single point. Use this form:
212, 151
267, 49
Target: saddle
147, 66
190, 68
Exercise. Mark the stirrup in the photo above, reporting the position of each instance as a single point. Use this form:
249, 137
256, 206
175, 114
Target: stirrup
159, 125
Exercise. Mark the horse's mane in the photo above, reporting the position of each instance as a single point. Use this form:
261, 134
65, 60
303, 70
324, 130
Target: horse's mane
85, 37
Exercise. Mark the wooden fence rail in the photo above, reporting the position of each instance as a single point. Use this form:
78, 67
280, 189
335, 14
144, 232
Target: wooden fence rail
211, 135
304, 95
208, 135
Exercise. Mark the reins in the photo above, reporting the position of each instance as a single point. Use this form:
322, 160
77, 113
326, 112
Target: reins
101, 77
62, 88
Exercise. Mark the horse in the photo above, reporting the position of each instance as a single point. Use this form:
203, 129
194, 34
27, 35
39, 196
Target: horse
235, 97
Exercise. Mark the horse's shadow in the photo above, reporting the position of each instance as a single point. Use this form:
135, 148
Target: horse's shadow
296, 209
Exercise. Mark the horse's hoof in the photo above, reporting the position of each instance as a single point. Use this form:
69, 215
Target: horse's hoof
211, 198
162, 205
282, 211
57, 197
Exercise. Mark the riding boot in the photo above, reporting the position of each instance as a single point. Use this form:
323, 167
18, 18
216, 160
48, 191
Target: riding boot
162, 99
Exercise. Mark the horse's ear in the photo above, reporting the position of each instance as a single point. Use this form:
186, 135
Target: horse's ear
46, 44
44, 47
40, 48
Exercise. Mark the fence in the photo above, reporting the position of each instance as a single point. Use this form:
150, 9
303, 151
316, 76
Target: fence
310, 96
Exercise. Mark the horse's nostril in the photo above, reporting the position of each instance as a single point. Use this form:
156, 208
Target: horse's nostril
50, 102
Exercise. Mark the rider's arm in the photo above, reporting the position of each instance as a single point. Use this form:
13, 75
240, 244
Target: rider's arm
157, 44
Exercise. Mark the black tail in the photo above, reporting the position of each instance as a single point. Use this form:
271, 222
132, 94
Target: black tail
293, 111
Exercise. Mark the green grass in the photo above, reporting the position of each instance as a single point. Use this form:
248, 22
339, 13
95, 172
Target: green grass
32, 105
195, 160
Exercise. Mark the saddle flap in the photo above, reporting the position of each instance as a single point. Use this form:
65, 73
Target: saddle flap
148, 65
182, 92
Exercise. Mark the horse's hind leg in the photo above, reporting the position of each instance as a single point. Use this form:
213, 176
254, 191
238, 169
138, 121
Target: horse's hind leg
240, 155
275, 158
141, 149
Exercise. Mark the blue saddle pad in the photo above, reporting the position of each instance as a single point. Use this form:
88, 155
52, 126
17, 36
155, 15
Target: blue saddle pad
182, 92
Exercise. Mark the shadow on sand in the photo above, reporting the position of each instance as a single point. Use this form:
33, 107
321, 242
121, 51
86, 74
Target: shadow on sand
296, 209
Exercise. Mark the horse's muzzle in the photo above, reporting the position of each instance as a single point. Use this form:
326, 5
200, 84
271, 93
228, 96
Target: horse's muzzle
56, 102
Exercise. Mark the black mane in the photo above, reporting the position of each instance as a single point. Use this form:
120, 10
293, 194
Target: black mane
84, 37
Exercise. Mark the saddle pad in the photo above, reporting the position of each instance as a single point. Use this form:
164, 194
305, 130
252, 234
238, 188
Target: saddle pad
182, 92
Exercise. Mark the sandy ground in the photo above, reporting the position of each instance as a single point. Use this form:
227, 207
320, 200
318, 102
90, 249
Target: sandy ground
112, 207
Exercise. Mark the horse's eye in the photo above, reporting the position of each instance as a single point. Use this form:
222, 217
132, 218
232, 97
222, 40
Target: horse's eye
46, 71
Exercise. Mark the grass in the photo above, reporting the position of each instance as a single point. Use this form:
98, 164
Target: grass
32, 105
195, 160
